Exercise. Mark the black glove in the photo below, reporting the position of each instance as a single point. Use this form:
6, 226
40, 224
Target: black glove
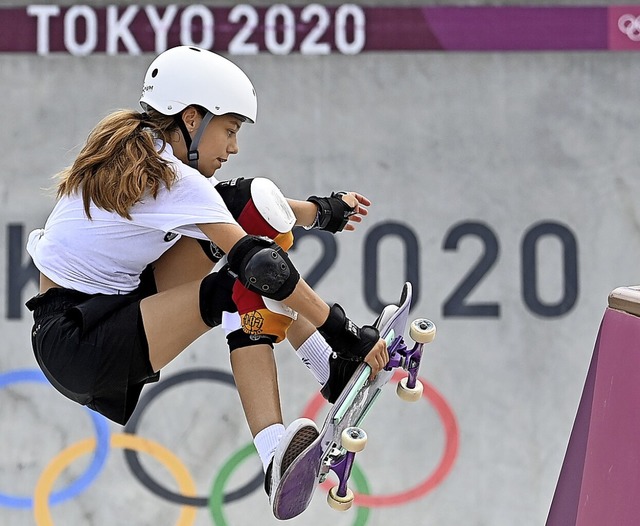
347, 340
333, 212
216, 291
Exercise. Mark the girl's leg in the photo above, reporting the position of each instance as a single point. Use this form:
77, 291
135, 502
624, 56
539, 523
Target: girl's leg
255, 373
256, 377
312, 349
172, 321
300, 331
171, 318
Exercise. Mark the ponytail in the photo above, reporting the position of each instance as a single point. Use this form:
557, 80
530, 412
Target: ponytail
119, 163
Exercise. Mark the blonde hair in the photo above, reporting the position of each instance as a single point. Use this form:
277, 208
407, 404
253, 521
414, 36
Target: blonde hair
120, 163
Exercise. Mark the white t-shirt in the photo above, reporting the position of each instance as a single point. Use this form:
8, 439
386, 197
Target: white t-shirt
107, 253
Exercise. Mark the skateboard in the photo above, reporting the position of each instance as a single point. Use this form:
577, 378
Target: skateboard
341, 436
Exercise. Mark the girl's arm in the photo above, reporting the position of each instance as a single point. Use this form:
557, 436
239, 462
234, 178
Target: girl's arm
330, 213
262, 266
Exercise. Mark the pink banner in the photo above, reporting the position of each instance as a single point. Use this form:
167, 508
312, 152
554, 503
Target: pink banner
315, 29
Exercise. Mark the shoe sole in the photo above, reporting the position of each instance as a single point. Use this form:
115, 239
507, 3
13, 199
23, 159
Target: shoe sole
386, 314
303, 438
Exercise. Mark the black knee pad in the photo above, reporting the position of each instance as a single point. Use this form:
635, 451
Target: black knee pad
239, 338
216, 296
263, 267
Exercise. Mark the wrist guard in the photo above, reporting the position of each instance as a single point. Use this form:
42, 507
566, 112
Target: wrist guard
333, 212
345, 338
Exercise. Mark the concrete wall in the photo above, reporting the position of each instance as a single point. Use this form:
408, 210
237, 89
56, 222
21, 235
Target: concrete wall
525, 159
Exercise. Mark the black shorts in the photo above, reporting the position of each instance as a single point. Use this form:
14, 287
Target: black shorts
92, 347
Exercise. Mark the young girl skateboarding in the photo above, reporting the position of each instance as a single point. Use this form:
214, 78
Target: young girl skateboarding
125, 284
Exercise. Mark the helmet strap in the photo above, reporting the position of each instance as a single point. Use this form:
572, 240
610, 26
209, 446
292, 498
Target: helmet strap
192, 144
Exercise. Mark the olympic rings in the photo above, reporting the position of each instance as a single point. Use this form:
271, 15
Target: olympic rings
131, 427
124, 441
630, 26
100, 456
186, 496
217, 499
446, 462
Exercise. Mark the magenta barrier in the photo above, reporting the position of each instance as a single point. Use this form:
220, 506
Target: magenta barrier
599, 482
343, 28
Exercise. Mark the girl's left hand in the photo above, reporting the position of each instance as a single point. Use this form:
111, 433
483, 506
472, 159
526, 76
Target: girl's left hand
359, 203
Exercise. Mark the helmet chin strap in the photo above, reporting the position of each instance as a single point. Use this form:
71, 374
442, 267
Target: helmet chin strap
192, 144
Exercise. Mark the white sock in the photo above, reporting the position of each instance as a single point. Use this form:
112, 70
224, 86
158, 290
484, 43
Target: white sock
315, 353
266, 442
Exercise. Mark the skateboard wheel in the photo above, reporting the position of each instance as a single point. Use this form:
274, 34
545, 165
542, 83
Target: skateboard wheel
337, 502
422, 330
353, 439
407, 394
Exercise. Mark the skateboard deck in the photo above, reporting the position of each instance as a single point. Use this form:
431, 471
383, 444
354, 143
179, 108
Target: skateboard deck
330, 451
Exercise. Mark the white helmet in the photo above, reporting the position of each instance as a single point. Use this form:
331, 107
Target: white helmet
187, 75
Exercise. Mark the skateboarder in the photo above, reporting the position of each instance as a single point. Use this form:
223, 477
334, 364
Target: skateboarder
124, 285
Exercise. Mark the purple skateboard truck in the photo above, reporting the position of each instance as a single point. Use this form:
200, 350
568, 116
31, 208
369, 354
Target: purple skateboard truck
341, 437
